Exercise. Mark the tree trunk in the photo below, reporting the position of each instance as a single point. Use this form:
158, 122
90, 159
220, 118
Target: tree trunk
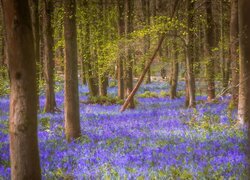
244, 88
129, 68
140, 80
175, 66
234, 45
90, 71
121, 27
24, 153
222, 52
103, 78
71, 101
210, 44
50, 103
146, 15
34, 8
190, 54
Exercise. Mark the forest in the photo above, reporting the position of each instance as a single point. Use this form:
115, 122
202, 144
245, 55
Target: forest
124, 89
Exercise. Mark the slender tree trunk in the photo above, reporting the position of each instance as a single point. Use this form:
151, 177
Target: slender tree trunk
190, 54
34, 8
210, 44
24, 153
146, 14
222, 52
89, 66
234, 45
121, 27
103, 78
129, 69
71, 101
175, 66
187, 91
50, 103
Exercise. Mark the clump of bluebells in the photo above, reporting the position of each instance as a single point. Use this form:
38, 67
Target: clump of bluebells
159, 139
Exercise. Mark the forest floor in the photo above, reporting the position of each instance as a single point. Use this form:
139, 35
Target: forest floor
160, 139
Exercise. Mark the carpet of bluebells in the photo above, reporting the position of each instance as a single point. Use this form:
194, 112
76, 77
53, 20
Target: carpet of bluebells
160, 139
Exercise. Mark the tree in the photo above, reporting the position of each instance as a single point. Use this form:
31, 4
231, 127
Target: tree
175, 67
244, 41
146, 17
50, 103
190, 54
89, 69
120, 61
209, 45
103, 78
234, 45
129, 67
71, 101
24, 153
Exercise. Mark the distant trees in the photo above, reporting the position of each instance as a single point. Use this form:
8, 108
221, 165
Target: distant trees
71, 99
24, 154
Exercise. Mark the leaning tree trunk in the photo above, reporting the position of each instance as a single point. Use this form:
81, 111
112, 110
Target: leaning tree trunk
210, 41
120, 69
71, 101
24, 153
234, 45
50, 103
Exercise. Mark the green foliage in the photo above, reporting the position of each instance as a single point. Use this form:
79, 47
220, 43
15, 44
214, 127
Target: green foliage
113, 84
163, 94
104, 100
4, 81
45, 123
148, 94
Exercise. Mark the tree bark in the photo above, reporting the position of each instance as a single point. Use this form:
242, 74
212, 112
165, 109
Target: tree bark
129, 68
175, 66
244, 88
34, 8
103, 78
50, 103
210, 41
120, 68
234, 45
24, 153
146, 15
88, 62
131, 95
71, 101
190, 54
